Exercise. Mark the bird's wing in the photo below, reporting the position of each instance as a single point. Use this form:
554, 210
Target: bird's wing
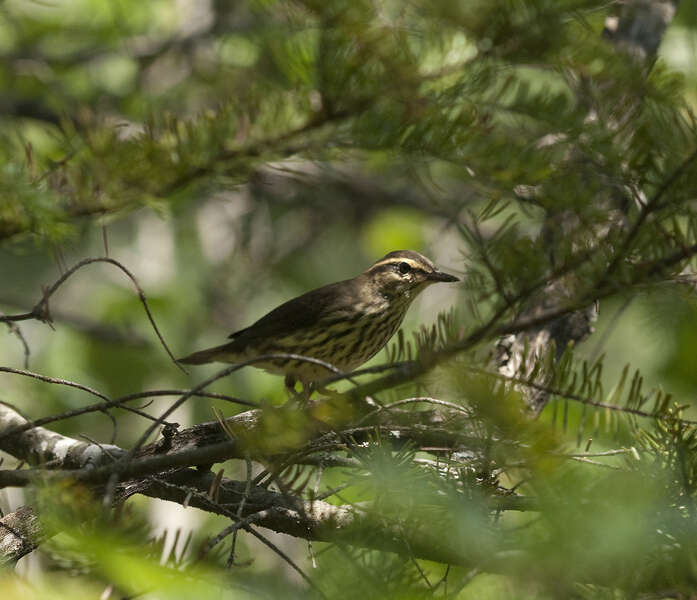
318, 306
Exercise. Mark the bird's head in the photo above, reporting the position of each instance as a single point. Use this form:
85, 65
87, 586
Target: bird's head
404, 273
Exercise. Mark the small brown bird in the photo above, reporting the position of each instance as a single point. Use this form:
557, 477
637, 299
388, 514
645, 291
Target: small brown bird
344, 323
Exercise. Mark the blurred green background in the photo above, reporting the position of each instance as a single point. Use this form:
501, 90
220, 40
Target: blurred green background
126, 128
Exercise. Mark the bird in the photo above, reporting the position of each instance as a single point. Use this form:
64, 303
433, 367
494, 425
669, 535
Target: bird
343, 324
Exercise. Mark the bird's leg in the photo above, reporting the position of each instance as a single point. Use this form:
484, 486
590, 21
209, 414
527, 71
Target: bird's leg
308, 389
302, 397
290, 381
328, 392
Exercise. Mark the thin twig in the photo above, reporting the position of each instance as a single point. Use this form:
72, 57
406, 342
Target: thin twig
595, 462
222, 510
17, 332
651, 206
54, 380
117, 403
606, 453
416, 400
41, 310
102, 407
219, 375
240, 510
580, 399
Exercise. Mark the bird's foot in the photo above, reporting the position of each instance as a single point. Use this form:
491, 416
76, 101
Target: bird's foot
301, 397
327, 392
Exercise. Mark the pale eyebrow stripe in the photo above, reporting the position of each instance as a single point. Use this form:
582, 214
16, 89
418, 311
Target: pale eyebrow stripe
395, 261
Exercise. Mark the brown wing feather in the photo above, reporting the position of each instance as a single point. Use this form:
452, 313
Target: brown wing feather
320, 306
299, 313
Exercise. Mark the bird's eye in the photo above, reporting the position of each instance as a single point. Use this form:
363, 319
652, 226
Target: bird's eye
404, 268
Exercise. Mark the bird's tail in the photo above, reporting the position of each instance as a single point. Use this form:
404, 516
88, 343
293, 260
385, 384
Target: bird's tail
222, 353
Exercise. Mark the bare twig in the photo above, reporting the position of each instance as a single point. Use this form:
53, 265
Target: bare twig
421, 399
581, 399
247, 526
118, 402
17, 332
240, 510
102, 407
224, 373
42, 313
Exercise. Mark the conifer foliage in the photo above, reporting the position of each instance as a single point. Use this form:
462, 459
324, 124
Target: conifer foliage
536, 439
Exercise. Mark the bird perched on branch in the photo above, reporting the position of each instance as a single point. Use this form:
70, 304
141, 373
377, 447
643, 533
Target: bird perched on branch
343, 324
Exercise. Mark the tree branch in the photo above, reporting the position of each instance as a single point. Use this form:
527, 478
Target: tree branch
20, 533
281, 512
39, 446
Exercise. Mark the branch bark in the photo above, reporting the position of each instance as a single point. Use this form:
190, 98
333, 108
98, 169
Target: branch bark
165, 473
20, 533
40, 446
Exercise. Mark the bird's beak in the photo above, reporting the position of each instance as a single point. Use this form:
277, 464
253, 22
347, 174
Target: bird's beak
440, 276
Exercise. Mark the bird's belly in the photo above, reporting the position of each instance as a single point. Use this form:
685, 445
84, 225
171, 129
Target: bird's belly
342, 347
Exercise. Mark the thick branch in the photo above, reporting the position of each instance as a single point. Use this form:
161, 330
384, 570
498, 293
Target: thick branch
20, 533
39, 446
208, 443
281, 512
318, 520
